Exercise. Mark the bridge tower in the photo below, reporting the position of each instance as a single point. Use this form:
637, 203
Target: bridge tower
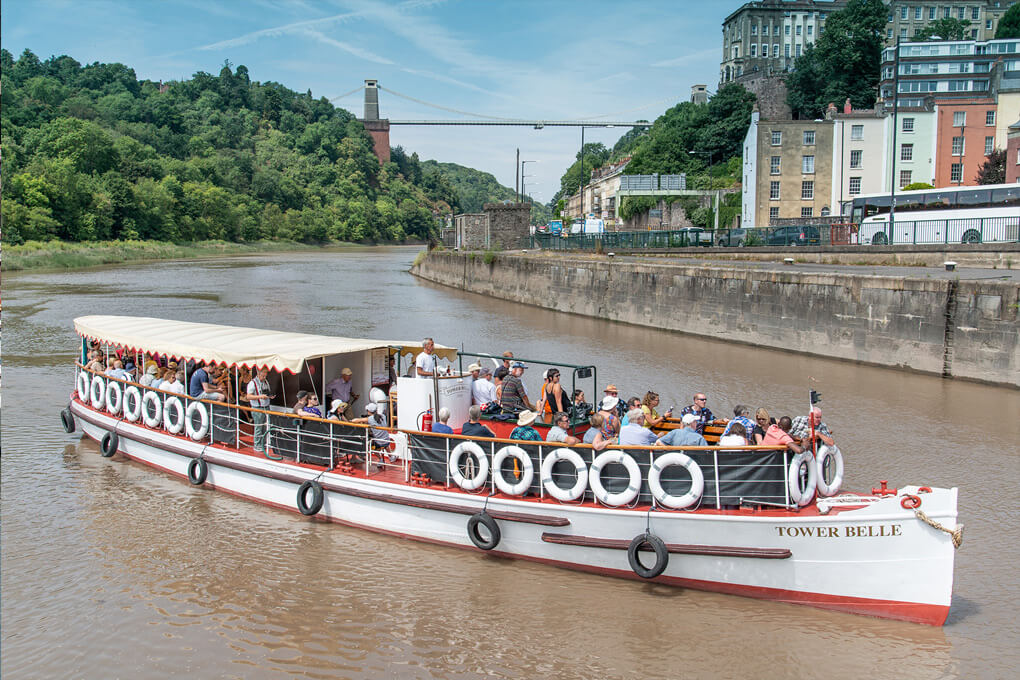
378, 128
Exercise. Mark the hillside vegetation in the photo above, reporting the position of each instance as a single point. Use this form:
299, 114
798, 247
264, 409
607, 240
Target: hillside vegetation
475, 188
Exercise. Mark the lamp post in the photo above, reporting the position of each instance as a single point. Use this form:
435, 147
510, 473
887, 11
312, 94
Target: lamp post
710, 154
524, 194
895, 124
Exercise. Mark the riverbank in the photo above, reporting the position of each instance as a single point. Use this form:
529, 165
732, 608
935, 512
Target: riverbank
952, 327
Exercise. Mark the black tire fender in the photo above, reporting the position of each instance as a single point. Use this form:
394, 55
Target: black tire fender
661, 555
67, 420
198, 470
109, 444
491, 526
306, 508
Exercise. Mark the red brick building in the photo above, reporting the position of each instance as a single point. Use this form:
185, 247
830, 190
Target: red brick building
964, 136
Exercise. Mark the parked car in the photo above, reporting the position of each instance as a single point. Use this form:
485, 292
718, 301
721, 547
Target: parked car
794, 236
694, 236
731, 237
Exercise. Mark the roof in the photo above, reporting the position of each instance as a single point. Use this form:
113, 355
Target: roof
231, 345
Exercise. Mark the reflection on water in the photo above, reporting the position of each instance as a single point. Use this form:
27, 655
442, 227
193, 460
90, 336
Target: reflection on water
111, 568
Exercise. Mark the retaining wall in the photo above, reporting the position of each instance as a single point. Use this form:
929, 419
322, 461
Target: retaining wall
954, 328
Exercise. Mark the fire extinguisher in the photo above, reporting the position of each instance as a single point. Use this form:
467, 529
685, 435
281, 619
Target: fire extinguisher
426, 421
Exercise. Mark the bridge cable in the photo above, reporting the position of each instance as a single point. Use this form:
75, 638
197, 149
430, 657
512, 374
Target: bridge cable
445, 108
347, 94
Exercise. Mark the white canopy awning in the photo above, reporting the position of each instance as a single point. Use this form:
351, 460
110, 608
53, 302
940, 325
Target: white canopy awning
229, 345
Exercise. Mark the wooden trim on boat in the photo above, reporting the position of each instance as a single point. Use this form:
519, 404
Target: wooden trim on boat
680, 548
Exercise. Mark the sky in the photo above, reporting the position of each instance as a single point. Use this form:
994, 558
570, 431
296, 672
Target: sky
551, 60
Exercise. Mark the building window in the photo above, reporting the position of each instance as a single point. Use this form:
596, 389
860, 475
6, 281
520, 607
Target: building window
764, 51
754, 29
765, 30
777, 138
959, 118
917, 13
988, 25
989, 145
908, 124
856, 132
809, 137
989, 117
786, 29
903, 33
946, 11
855, 158
806, 212
773, 191
961, 13
957, 146
904, 178
796, 50
931, 14
888, 33
798, 29
786, 50
906, 152
773, 213
809, 29
807, 190
903, 13
774, 165
807, 165
956, 172
855, 186
775, 51
975, 13
754, 50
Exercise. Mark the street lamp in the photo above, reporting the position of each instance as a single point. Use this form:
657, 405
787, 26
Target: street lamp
524, 194
582, 164
710, 154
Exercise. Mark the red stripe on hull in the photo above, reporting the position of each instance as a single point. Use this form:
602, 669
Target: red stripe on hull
929, 614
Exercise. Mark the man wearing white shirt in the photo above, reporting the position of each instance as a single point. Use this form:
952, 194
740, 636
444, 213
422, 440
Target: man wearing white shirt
425, 363
258, 397
483, 391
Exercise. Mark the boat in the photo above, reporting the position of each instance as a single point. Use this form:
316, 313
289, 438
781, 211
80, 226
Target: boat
753, 521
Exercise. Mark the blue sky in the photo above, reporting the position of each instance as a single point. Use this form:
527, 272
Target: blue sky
541, 60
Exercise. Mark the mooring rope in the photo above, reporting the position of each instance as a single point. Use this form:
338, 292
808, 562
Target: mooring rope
957, 533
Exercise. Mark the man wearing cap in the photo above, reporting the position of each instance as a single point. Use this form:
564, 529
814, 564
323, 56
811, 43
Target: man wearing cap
483, 390
621, 406
687, 435
258, 398
425, 363
514, 398
380, 438
524, 430
340, 387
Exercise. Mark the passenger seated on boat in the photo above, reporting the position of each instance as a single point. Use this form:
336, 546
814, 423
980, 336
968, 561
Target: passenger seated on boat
175, 383
595, 422
579, 408
610, 429
473, 428
202, 385
701, 410
652, 417
762, 420
779, 435
741, 416
514, 398
312, 407
151, 371
621, 407
425, 363
302, 401
737, 435
801, 429
558, 431
634, 433
552, 399
117, 370
380, 438
632, 403
524, 430
96, 362
336, 410
483, 391
442, 418
685, 435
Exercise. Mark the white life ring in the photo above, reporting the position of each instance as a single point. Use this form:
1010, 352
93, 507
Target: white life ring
83, 385
157, 413
98, 392
799, 497
196, 433
173, 415
114, 397
697, 480
595, 478
454, 466
132, 396
832, 488
527, 470
553, 489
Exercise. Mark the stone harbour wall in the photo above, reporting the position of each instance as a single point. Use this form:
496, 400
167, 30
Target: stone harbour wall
963, 329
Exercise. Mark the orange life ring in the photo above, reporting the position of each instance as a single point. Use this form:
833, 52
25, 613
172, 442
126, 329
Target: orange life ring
924, 489
910, 502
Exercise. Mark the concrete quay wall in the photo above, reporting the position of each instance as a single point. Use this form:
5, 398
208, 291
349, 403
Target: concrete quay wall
963, 329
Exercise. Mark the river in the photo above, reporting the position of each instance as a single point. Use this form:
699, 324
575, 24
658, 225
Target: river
112, 569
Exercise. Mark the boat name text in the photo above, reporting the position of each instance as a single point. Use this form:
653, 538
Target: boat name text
865, 531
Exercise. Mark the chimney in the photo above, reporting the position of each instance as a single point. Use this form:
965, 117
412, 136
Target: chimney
830, 111
847, 106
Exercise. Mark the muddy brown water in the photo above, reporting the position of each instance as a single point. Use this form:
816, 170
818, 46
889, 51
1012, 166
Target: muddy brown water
111, 569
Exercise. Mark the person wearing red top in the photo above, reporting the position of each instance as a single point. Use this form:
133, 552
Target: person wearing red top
779, 435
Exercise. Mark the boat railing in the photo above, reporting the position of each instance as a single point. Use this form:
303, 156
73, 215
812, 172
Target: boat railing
620, 476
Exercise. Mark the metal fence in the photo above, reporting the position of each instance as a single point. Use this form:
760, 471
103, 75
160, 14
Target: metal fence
653, 182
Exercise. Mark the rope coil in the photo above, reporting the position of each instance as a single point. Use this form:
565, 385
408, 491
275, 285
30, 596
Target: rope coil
956, 534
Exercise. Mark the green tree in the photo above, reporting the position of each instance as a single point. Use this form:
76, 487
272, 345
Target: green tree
993, 170
843, 63
1009, 24
946, 28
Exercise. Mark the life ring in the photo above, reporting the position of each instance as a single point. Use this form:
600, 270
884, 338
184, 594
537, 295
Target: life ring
924, 489
156, 417
67, 420
527, 471
97, 392
658, 547
550, 485
595, 478
306, 508
132, 404
109, 444
196, 433
909, 502
454, 466
484, 519
798, 496
655, 484
830, 488
173, 415
83, 385
198, 470
114, 397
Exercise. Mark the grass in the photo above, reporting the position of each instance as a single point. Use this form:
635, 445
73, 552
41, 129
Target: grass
75, 255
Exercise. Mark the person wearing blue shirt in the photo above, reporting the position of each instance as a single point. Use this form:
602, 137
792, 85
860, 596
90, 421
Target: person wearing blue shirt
440, 426
634, 433
742, 415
